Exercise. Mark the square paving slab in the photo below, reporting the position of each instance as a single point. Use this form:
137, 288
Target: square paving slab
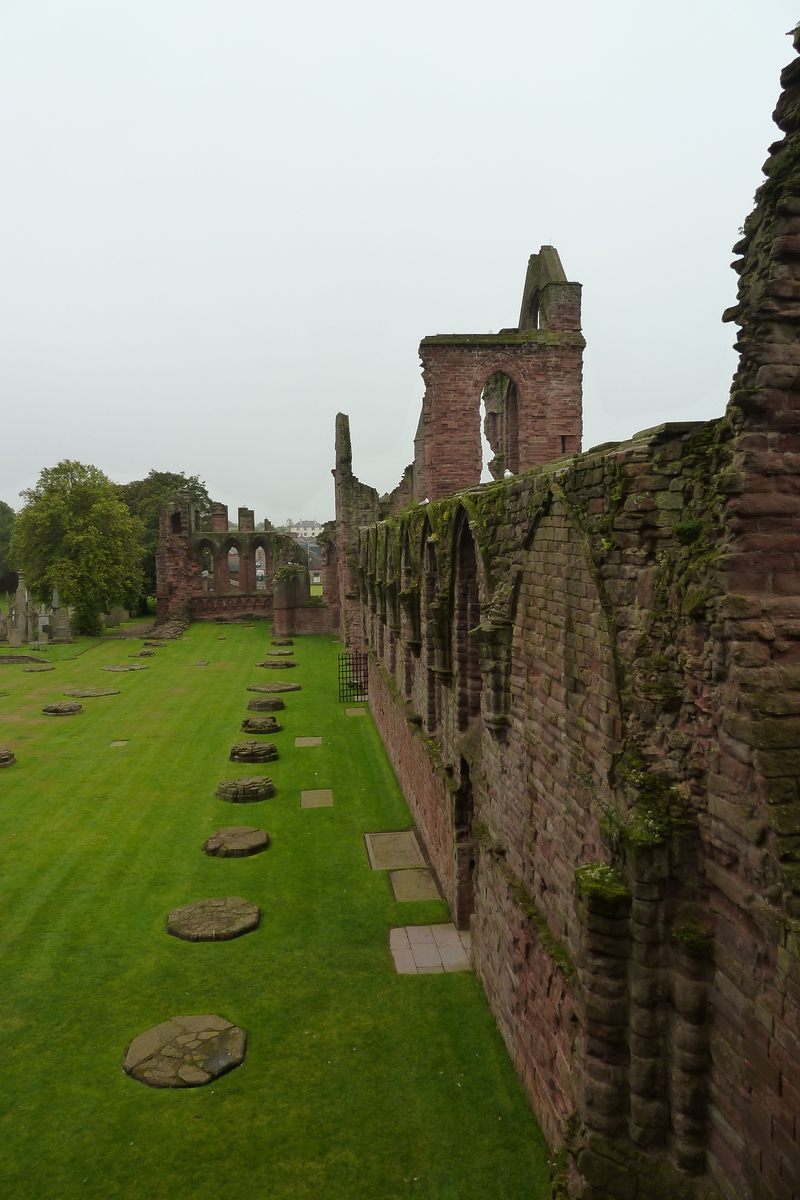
318, 798
119, 743
355, 712
308, 741
393, 851
429, 949
414, 885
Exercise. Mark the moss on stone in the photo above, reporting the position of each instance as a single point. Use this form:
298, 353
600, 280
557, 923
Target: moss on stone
687, 532
694, 937
602, 887
551, 945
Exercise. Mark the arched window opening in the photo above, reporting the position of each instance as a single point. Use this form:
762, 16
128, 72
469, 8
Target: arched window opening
233, 569
207, 569
466, 615
175, 522
499, 427
433, 689
261, 569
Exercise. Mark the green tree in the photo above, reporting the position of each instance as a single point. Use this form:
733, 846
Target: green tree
144, 498
75, 534
8, 576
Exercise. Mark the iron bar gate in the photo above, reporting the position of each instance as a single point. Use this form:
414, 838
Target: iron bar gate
353, 676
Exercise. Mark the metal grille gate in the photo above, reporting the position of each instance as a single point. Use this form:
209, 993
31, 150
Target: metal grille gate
353, 676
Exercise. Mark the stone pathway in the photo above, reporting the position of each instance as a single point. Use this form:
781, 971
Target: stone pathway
217, 920
393, 851
185, 1052
413, 885
429, 949
236, 841
317, 798
307, 741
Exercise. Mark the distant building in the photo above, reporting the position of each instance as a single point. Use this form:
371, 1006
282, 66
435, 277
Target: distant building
304, 529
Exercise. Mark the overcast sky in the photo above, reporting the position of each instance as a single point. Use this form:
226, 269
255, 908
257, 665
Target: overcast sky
222, 223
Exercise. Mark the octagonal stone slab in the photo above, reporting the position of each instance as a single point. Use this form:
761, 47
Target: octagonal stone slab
37, 669
157, 645
218, 920
64, 708
120, 667
277, 664
281, 653
86, 692
246, 791
7, 758
257, 752
185, 1052
237, 841
282, 642
266, 704
274, 687
260, 725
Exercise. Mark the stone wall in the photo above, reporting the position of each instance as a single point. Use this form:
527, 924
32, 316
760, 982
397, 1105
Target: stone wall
587, 677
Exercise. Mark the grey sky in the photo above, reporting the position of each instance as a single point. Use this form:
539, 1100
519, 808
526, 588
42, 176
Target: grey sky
222, 223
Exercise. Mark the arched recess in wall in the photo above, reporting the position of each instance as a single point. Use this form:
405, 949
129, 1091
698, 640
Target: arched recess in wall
429, 588
175, 522
229, 567
466, 614
390, 590
565, 712
206, 555
499, 426
261, 567
409, 618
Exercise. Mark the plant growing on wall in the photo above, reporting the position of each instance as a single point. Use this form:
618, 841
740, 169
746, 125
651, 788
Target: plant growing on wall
74, 533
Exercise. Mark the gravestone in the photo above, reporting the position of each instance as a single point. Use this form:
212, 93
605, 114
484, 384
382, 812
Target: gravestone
218, 920
185, 1052
237, 841
245, 791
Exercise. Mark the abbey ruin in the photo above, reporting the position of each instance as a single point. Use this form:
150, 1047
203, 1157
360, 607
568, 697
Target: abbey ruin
587, 677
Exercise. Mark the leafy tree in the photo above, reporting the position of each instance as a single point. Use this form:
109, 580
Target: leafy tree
8, 576
75, 534
144, 498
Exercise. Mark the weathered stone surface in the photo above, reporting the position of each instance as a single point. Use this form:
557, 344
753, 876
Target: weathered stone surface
307, 741
85, 693
274, 687
236, 841
266, 704
317, 798
393, 851
260, 725
120, 667
185, 1052
281, 653
39, 667
7, 758
12, 660
413, 885
256, 752
218, 920
282, 642
64, 708
246, 791
155, 645
277, 664
143, 654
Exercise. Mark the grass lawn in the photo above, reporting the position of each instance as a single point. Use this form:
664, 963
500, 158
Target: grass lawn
358, 1082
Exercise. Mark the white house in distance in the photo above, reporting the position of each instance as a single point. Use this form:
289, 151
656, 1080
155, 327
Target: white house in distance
304, 529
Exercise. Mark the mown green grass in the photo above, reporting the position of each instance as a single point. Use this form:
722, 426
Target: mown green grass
358, 1083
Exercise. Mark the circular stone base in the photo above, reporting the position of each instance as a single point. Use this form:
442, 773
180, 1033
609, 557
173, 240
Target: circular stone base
282, 642
128, 667
237, 841
64, 708
7, 758
185, 1052
260, 725
266, 704
213, 920
256, 752
245, 791
83, 693
276, 664
35, 670
274, 687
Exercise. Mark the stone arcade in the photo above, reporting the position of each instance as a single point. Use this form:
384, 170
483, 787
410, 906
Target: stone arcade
587, 677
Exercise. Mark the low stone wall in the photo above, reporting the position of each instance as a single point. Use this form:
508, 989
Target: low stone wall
315, 618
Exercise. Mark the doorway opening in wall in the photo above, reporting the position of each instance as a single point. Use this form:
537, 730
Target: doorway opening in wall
207, 569
499, 427
261, 569
465, 848
233, 569
175, 522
